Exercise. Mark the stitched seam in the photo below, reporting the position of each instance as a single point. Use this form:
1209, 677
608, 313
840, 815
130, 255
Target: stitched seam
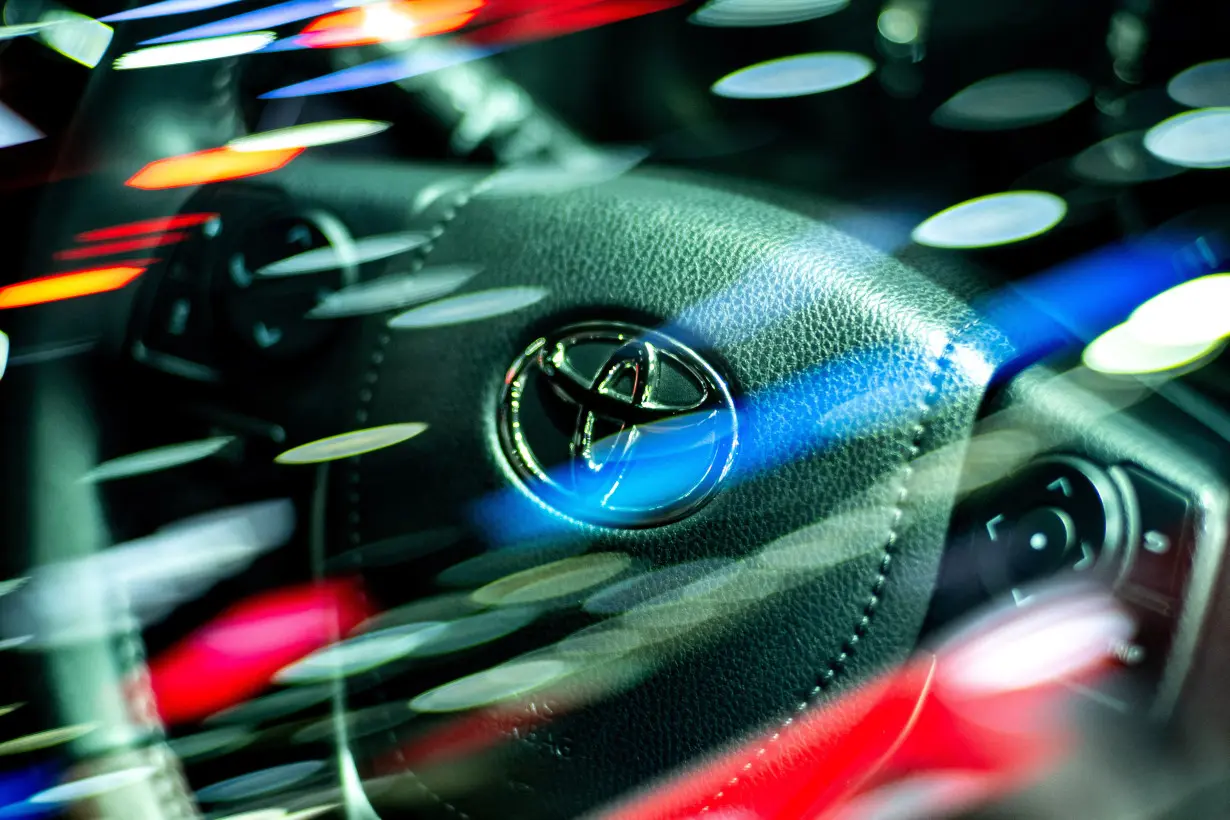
836, 665
366, 392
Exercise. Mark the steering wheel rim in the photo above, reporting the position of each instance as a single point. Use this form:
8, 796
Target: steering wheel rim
833, 330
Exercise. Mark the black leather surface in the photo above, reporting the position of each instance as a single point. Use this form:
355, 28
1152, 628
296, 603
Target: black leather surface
844, 362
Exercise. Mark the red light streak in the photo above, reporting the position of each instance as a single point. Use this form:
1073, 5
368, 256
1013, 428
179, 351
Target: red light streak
237, 654
71, 284
156, 225
121, 246
564, 17
213, 165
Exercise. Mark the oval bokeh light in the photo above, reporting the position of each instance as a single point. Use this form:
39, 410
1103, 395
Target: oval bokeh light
995, 219
1193, 139
795, 76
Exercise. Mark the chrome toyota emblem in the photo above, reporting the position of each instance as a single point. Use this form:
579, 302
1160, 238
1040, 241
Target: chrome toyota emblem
616, 424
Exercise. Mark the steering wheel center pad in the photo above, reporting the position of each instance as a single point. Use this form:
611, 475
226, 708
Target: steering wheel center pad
847, 367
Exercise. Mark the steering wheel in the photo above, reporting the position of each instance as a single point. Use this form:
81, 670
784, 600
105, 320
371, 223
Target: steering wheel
682, 455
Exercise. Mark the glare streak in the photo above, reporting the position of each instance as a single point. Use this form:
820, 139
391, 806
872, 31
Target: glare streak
1121, 160
1193, 139
359, 654
121, 246
194, 51
272, 707
68, 285
157, 459
4, 361
795, 76
555, 580
212, 165
1192, 313
738, 13
260, 782
308, 135
1013, 100
14, 130
1205, 85
995, 219
146, 226
492, 686
267, 18
1118, 352
43, 740
165, 9
346, 445
378, 72
79, 38
468, 307
392, 292
555, 178
367, 249
94, 786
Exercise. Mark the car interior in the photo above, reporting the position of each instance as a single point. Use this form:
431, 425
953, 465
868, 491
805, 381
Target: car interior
646, 409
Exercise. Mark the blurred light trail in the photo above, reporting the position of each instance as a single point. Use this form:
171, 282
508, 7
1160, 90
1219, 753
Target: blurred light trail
138, 582
354, 443
23, 29
356, 724
80, 38
94, 786
14, 130
500, 683
237, 654
120, 246
555, 19
210, 743
559, 579
45, 739
1119, 352
1192, 313
166, 8
309, 135
1121, 160
4, 361
425, 58
1012, 101
69, 285
194, 51
269, 17
1206, 85
947, 711
359, 654
649, 586
146, 226
475, 630
994, 219
272, 707
255, 784
361, 251
392, 292
545, 178
465, 736
732, 13
1193, 139
492, 566
388, 22
795, 76
469, 307
212, 165
157, 459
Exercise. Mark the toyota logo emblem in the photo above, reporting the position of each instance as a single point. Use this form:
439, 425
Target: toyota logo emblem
617, 425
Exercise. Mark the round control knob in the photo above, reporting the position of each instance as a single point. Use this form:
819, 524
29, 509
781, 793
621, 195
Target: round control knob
1057, 513
1040, 544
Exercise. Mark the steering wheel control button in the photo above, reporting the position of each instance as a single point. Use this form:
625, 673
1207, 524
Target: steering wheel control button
1057, 514
1041, 544
266, 315
616, 424
1162, 556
